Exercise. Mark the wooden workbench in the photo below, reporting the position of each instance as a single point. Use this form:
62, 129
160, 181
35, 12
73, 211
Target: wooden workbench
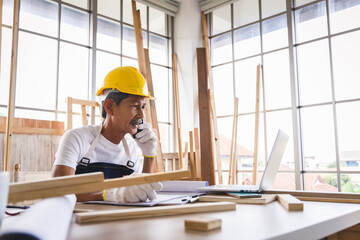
271, 221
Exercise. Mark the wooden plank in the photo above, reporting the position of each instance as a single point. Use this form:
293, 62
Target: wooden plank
69, 113
232, 166
264, 199
192, 162
290, 203
207, 160
177, 109
202, 223
320, 199
56, 182
186, 157
315, 194
84, 102
97, 186
154, 120
11, 103
121, 214
83, 115
197, 153
257, 115
212, 97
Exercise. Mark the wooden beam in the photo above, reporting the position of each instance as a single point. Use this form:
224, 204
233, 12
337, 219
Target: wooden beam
290, 203
69, 113
315, 194
11, 103
207, 160
112, 215
140, 52
202, 223
177, 109
186, 157
233, 149
257, 115
197, 154
212, 97
96, 186
154, 120
56, 182
192, 162
83, 115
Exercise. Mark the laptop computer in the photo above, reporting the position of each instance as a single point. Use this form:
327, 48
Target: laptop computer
269, 175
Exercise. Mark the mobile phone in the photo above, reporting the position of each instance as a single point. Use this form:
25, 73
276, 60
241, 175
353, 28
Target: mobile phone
244, 195
138, 121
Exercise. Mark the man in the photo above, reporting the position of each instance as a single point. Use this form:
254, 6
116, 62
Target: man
111, 147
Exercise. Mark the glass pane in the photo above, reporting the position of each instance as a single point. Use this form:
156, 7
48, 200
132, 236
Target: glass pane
316, 182
344, 15
346, 52
272, 7
8, 10
275, 33
158, 50
348, 119
225, 126
221, 49
128, 16
221, 20
318, 137
247, 41
39, 16
245, 83
245, 140
284, 181
162, 91
311, 22
129, 42
130, 62
164, 136
350, 183
79, 3
105, 62
157, 21
3, 112
223, 89
108, 35
5, 65
74, 25
281, 120
73, 73
302, 2
31, 114
277, 80
36, 72
245, 11
110, 8
314, 72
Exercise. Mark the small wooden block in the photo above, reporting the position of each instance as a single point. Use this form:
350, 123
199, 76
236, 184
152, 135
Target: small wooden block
202, 223
290, 202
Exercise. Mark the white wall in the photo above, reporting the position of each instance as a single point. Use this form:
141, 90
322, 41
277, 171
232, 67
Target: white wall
188, 37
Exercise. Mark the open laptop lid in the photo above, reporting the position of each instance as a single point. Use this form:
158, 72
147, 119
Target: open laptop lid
274, 161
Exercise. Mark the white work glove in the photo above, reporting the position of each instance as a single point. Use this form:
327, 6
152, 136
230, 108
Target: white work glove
132, 194
146, 140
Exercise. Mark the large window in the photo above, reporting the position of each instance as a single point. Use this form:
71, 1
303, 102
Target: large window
63, 52
309, 54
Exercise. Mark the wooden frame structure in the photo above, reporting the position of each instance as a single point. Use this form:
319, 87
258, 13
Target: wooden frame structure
11, 103
83, 103
257, 115
145, 70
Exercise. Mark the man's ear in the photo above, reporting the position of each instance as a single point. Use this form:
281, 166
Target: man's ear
109, 106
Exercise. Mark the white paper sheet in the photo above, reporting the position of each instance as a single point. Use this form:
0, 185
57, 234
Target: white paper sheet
48, 219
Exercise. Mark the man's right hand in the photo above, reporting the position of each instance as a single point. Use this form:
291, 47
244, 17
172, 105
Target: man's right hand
132, 194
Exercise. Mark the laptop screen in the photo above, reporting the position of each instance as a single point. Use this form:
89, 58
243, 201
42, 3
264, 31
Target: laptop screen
274, 161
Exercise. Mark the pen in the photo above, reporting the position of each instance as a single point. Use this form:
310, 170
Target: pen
19, 207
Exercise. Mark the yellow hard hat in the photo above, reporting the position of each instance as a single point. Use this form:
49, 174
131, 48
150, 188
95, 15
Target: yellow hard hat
127, 80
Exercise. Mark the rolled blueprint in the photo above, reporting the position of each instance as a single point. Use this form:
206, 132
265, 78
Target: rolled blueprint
48, 219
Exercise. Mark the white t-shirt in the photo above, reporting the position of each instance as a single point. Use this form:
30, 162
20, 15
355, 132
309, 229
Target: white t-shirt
75, 144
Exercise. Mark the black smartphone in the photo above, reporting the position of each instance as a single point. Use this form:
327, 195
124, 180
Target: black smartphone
139, 121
